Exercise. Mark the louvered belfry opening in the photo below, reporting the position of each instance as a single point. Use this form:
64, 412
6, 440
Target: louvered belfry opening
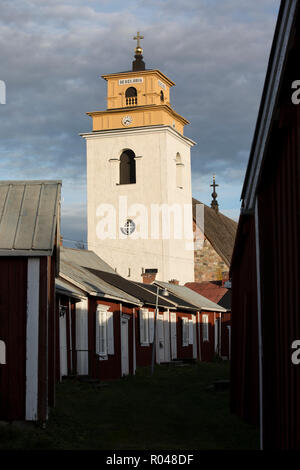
127, 167
131, 96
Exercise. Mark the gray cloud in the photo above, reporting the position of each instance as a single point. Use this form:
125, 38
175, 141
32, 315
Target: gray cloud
53, 53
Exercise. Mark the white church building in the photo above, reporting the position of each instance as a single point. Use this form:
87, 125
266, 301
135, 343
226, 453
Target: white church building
139, 196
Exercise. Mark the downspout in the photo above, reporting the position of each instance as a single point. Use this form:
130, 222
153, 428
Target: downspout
259, 324
134, 346
199, 335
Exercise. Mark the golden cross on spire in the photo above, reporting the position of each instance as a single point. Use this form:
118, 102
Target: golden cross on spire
137, 38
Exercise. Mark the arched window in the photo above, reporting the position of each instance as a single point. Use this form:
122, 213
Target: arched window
131, 96
127, 167
162, 96
179, 171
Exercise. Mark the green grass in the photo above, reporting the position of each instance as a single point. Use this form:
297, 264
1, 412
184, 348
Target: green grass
172, 410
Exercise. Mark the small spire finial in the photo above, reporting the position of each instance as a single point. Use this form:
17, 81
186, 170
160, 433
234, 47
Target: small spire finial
138, 63
214, 203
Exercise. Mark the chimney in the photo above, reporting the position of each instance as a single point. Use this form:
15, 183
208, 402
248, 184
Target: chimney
149, 276
61, 240
174, 281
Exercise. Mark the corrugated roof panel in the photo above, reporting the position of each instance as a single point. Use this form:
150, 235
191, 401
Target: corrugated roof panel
28, 217
46, 211
10, 216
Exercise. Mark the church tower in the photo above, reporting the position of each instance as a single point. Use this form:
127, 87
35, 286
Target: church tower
139, 197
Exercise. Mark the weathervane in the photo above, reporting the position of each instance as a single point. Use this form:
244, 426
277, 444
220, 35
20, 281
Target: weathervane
214, 203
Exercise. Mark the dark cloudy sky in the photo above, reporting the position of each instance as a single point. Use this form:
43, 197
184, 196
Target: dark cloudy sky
53, 52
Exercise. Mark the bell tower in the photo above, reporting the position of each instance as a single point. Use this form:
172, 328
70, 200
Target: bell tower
139, 177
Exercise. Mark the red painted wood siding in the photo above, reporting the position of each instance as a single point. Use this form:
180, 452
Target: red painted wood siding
143, 353
110, 368
279, 232
13, 294
244, 399
183, 352
207, 347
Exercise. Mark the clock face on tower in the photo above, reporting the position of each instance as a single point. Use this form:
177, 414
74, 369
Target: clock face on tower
126, 120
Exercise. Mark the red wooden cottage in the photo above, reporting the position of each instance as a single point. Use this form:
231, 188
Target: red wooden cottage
265, 269
202, 329
221, 295
175, 337
144, 317
96, 336
29, 259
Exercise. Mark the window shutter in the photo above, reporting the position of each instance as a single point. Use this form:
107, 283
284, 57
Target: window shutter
173, 336
144, 326
101, 333
195, 337
205, 328
151, 327
146, 321
191, 332
110, 333
97, 332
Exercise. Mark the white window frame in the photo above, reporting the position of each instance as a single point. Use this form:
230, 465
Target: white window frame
185, 331
205, 329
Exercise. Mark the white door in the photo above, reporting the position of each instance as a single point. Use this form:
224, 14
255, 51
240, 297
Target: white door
63, 343
124, 346
161, 338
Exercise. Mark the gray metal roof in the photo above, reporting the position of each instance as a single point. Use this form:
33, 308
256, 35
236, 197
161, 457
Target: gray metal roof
191, 296
74, 268
64, 288
29, 215
85, 258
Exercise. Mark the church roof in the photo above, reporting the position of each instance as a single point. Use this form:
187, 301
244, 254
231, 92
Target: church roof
214, 291
210, 289
219, 230
29, 216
